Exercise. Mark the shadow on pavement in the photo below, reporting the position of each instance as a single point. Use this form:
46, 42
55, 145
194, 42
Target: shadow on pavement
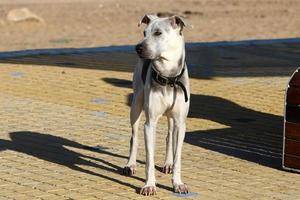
251, 135
274, 57
55, 149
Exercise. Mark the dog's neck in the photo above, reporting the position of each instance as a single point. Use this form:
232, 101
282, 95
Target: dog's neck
171, 65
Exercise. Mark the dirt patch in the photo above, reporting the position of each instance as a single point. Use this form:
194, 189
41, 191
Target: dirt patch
94, 23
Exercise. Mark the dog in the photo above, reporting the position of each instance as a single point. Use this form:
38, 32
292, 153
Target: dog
161, 87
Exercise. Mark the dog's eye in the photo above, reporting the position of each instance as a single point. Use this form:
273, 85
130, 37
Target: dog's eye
157, 33
144, 33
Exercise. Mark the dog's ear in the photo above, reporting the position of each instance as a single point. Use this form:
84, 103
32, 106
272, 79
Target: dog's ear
177, 22
147, 19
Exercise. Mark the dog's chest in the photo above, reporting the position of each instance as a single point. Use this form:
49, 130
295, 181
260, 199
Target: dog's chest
167, 94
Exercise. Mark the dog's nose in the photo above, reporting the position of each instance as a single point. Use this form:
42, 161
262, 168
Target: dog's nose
139, 48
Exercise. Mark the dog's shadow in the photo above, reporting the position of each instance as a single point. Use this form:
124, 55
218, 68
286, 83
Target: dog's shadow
251, 135
54, 149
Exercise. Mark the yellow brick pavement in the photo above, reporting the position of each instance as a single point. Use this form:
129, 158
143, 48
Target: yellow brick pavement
52, 108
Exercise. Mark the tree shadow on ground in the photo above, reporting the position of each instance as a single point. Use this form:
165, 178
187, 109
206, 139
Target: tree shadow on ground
249, 134
54, 149
270, 57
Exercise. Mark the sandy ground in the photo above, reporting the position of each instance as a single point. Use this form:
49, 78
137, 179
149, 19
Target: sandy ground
93, 23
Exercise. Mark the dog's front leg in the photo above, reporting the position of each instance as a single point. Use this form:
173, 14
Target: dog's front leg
135, 115
149, 188
168, 166
178, 138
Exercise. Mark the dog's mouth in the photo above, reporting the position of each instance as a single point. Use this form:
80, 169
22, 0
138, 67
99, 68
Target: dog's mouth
160, 58
146, 55
141, 55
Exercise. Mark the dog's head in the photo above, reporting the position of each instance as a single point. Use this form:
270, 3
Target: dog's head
162, 36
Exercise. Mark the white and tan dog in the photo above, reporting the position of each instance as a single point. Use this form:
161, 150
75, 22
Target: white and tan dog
161, 87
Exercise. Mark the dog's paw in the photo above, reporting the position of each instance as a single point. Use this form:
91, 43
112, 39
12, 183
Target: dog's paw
167, 169
181, 188
148, 190
129, 170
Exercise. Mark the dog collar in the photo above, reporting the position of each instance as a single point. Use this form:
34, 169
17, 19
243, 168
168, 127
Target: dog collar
171, 81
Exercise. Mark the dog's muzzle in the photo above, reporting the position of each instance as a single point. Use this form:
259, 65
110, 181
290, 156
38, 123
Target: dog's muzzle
142, 51
139, 49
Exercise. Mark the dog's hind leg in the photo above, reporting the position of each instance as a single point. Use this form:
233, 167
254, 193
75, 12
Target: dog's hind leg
168, 166
135, 115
